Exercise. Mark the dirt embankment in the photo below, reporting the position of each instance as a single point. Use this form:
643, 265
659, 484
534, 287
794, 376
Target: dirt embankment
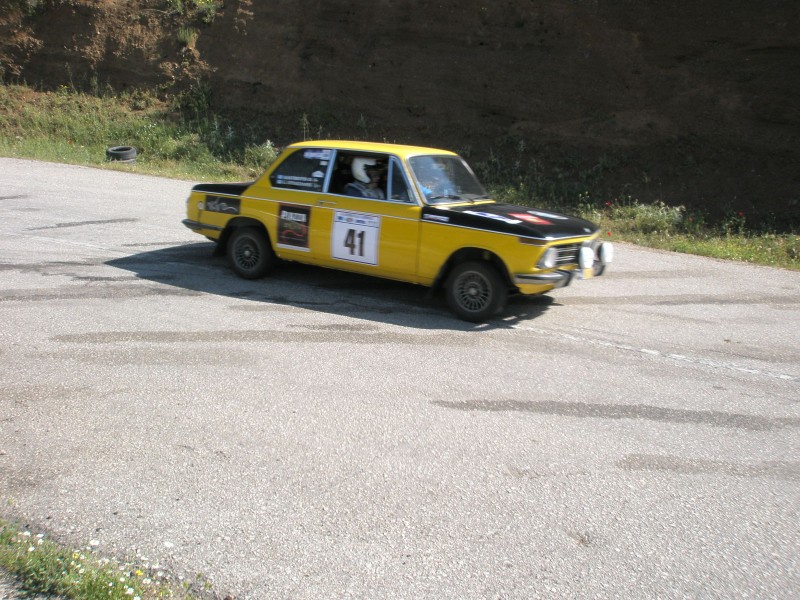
690, 102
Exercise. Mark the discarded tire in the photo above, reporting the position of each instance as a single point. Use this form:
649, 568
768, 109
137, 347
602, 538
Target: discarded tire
121, 154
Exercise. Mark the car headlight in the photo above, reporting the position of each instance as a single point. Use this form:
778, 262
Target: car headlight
605, 253
586, 257
548, 260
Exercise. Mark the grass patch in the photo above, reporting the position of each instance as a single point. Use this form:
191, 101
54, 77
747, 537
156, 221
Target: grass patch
181, 137
187, 36
673, 228
776, 250
44, 567
176, 138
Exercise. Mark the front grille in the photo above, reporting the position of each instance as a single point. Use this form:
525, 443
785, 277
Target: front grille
567, 254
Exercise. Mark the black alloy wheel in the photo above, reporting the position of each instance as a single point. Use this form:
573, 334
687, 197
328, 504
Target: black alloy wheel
250, 253
475, 291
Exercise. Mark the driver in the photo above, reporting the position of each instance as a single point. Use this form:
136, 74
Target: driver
367, 173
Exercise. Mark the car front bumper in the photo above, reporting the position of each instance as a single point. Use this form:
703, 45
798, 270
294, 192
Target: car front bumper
539, 283
556, 279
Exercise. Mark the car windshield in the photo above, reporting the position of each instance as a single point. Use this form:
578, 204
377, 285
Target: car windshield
446, 180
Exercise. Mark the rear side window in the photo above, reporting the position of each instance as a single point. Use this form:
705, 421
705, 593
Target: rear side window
303, 170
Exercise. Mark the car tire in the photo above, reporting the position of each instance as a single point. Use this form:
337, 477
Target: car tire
121, 154
475, 291
249, 253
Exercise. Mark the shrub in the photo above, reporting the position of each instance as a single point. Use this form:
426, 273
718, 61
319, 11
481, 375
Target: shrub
187, 36
206, 10
260, 157
647, 218
175, 6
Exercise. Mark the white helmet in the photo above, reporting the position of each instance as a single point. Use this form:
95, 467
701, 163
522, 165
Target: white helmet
359, 168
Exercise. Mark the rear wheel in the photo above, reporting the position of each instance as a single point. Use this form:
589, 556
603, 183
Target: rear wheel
250, 253
475, 291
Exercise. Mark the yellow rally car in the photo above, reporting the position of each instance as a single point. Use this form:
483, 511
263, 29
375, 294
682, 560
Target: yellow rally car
401, 212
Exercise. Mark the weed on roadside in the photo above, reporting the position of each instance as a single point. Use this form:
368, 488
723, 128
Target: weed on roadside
44, 567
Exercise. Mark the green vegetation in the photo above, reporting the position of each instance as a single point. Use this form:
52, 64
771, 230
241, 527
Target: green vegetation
187, 36
202, 10
44, 567
182, 137
207, 9
179, 138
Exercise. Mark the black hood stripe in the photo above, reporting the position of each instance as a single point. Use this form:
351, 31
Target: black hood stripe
500, 218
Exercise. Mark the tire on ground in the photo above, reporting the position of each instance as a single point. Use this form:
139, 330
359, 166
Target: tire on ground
250, 253
475, 291
121, 153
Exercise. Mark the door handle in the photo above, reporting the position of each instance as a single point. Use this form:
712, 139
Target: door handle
326, 203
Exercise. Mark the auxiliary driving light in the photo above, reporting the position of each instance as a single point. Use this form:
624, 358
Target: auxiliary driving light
586, 257
605, 253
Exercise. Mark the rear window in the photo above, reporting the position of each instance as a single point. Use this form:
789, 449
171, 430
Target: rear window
302, 170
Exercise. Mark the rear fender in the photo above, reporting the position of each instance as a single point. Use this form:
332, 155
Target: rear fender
234, 224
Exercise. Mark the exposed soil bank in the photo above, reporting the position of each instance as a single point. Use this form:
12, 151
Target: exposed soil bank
693, 103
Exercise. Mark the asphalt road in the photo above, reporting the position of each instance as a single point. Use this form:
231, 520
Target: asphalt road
323, 435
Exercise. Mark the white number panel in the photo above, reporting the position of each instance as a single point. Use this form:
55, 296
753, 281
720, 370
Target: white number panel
355, 237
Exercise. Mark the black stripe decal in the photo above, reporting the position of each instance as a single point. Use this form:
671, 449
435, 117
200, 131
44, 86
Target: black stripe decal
222, 189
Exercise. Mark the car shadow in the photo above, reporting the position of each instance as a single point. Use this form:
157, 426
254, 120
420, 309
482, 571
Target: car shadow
196, 267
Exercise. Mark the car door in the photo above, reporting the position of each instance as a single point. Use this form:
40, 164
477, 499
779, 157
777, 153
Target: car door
376, 236
296, 188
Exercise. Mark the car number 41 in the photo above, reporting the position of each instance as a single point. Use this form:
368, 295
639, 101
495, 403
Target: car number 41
355, 237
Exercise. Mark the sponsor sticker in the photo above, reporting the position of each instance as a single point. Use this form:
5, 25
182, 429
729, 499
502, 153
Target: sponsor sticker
535, 219
294, 181
492, 216
547, 215
219, 204
293, 224
439, 218
317, 154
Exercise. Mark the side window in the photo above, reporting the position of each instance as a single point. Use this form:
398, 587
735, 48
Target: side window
398, 186
303, 170
360, 174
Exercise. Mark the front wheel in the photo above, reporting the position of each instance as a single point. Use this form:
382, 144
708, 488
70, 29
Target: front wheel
475, 291
250, 253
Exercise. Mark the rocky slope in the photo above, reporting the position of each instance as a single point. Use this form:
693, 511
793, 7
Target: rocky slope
690, 102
